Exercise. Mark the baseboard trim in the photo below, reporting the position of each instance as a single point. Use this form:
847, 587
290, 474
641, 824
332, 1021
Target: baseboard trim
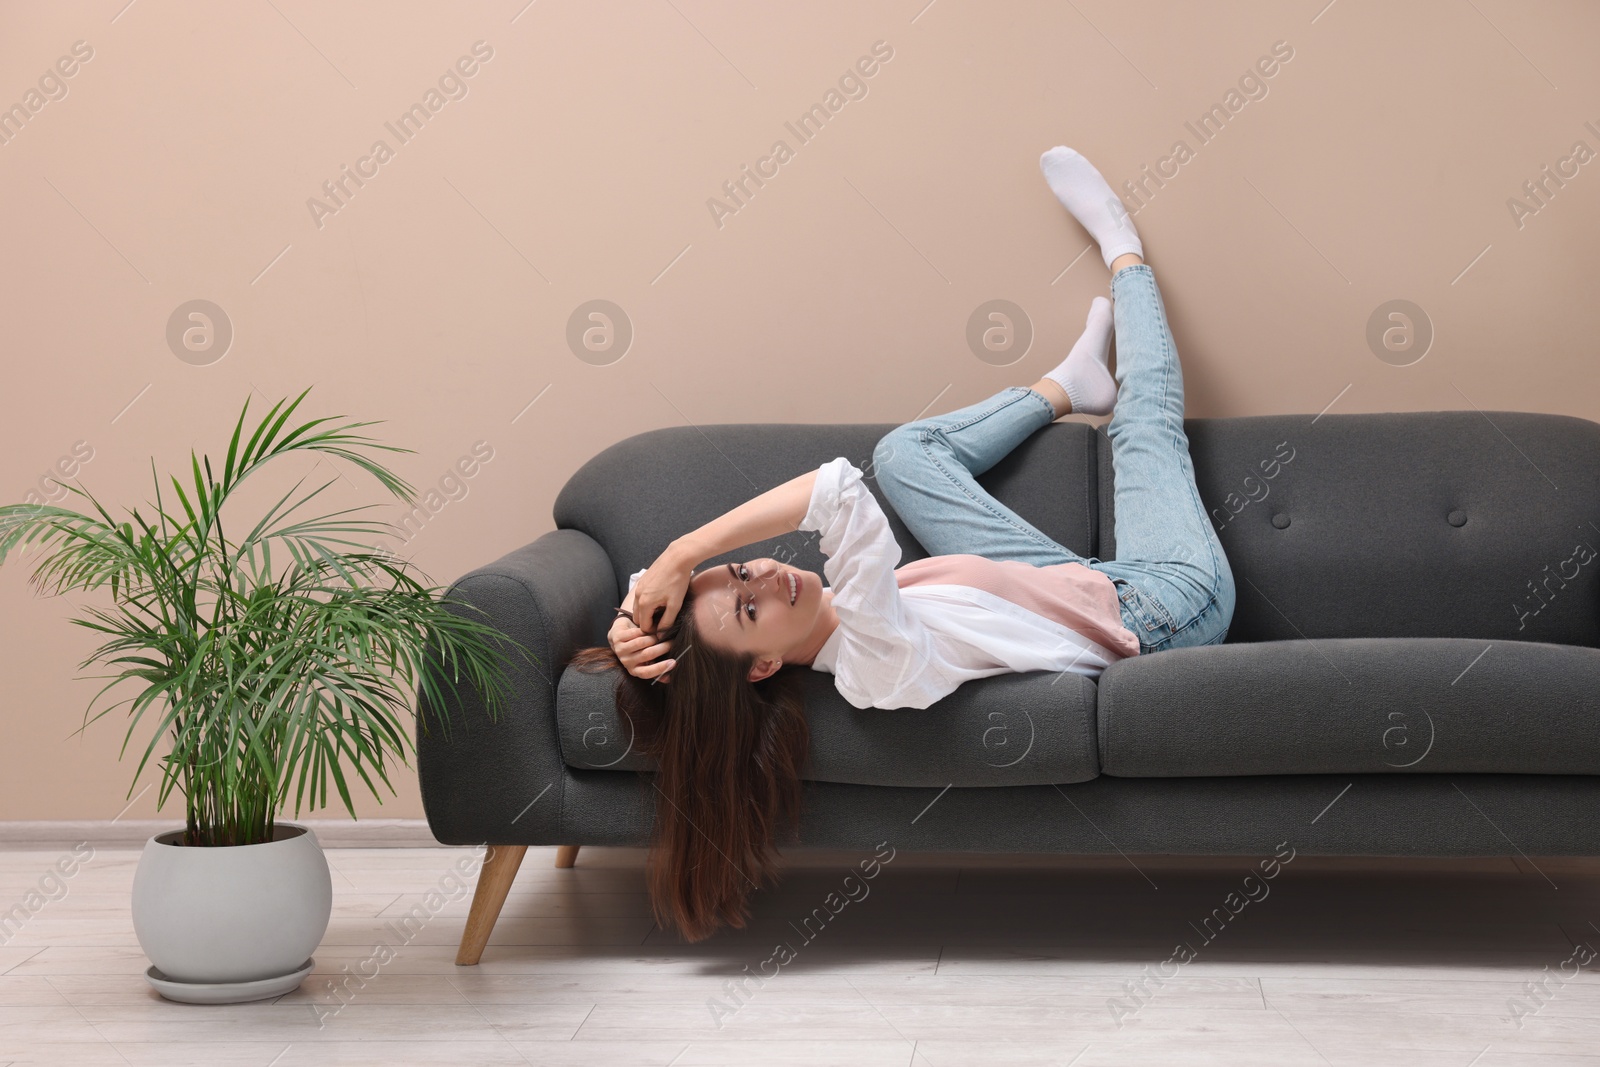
133, 833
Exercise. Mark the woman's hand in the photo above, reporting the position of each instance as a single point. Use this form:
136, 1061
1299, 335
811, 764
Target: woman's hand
659, 592
637, 649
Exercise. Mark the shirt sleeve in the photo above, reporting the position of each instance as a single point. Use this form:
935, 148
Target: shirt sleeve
634, 578
861, 557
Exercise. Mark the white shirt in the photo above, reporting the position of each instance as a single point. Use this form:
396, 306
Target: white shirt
907, 648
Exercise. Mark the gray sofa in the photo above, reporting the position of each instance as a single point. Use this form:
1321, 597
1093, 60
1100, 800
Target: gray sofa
1413, 666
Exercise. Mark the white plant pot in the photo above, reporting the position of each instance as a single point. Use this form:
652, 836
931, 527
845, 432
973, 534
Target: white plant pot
231, 923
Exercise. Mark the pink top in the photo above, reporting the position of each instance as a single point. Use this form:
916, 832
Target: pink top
1078, 597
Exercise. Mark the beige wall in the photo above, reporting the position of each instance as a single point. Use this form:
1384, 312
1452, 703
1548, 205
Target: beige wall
1377, 166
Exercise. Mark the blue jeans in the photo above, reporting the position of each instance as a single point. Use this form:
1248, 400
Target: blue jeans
1171, 576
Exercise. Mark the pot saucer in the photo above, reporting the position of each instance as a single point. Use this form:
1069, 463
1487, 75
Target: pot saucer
227, 992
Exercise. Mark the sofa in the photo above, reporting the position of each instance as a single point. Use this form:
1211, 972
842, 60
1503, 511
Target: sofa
1413, 667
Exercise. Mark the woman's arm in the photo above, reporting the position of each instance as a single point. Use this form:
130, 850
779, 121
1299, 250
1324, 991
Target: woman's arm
776, 511
660, 591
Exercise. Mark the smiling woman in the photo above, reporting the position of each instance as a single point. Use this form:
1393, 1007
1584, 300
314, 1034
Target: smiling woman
746, 606
728, 731
777, 614
995, 595
728, 753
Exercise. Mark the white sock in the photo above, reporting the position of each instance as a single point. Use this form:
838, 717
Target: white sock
1084, 192
1083, 375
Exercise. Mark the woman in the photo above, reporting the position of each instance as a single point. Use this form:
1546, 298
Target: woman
726, 723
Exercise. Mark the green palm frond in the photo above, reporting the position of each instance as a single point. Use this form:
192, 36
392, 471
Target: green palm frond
268, 663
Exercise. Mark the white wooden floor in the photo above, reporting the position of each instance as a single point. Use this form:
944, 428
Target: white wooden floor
946, 960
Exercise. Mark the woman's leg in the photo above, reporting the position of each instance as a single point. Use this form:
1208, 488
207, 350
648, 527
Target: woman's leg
928, 470
1171, 573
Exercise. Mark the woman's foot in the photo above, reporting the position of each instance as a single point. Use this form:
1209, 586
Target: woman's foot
1083, 376
1083, 191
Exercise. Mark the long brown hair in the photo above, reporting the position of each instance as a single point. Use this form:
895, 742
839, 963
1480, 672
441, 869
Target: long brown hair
729, 753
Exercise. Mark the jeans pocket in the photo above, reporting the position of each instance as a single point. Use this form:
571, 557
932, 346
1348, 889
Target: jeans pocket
1146, 610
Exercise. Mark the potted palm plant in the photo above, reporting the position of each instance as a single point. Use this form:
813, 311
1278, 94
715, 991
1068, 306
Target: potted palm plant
270, 653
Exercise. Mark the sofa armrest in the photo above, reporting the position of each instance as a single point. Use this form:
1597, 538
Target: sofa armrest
504, 782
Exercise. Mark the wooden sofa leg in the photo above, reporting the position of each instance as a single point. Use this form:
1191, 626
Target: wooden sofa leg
567, 855
494, 882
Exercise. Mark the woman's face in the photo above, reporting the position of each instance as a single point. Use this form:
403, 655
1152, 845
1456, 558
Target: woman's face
746, 607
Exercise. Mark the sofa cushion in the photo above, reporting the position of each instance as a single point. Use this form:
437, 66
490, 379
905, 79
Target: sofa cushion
1353, 706
1401, 524
1035, 728
639, 494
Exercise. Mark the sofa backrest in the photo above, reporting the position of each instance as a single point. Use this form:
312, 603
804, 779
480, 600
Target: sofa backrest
1409, 524
639, 494
1423, 524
